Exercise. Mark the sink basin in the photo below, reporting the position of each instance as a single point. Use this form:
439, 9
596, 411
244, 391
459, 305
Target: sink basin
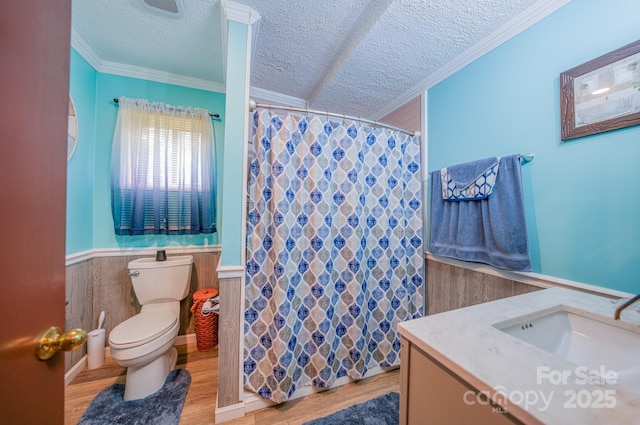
599, 343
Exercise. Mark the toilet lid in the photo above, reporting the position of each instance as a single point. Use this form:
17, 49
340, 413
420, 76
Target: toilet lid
142, 328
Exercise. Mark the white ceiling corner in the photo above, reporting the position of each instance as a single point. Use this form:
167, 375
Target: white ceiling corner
132, 71
277, 98
361, 57
232, 11
143, 73
130, 40
511, 28
83, 48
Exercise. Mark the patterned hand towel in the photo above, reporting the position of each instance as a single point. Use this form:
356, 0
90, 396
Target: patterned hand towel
470, 181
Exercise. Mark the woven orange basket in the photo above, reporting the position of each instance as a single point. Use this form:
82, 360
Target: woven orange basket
206, 321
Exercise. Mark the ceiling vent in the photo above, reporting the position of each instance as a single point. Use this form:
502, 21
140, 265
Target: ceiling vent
173, 8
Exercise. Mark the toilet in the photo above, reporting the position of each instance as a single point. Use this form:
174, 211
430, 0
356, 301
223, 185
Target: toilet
144, 343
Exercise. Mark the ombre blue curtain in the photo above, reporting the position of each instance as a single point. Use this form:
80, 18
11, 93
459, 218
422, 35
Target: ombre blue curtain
162, 169
335, 258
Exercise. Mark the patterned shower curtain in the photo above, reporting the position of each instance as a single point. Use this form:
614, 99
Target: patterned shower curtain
334, 251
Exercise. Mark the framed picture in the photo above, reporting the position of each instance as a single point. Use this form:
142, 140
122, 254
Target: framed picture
602, 94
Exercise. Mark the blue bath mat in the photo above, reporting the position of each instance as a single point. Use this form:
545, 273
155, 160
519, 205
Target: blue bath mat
382, 410
160, 408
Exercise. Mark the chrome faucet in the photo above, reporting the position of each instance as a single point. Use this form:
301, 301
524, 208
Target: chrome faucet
630, 301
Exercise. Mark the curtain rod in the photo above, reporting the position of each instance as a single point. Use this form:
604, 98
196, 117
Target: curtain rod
253, 105
115, 99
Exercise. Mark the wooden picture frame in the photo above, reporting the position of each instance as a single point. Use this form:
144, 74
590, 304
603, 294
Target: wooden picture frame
602, 94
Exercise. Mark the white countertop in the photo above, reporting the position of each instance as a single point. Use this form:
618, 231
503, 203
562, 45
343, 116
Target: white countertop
466, 342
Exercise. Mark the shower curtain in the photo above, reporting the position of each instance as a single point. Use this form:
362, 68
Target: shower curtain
334, 251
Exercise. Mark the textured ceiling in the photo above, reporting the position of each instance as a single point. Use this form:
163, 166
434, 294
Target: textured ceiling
352, 57
127, 32
411, 40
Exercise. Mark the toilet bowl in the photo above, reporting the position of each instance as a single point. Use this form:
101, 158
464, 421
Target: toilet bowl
144, 343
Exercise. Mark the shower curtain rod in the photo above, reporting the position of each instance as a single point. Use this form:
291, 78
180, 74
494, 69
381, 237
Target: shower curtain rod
115, 99
253, 105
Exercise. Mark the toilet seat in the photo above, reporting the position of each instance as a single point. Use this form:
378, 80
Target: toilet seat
142, 328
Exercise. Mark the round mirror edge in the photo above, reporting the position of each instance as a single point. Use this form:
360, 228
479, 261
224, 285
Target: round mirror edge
72, 129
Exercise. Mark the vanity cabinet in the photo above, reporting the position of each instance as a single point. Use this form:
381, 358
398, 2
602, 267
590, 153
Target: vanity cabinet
452, 361
432, 394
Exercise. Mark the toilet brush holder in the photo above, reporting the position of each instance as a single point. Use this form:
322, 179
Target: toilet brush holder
96, 348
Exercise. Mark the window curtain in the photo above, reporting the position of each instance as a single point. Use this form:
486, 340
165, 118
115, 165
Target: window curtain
162, 170
334, 251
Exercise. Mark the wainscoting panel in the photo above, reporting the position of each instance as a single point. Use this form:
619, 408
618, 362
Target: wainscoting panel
79, 305
103, 284
204, 275
230, 328
451, 287
112, 290
407, 116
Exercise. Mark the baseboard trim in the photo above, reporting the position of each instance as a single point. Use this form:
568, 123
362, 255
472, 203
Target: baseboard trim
228, 413
75, 370
185, 340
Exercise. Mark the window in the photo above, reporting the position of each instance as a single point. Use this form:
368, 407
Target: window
162, 170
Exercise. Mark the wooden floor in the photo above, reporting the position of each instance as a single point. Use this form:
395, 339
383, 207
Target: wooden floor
199, 406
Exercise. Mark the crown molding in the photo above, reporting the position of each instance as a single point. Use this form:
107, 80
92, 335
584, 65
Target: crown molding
83, 48
524, 20
115, 68
255, 28
239, 12
278, 98
232, 11
132, 71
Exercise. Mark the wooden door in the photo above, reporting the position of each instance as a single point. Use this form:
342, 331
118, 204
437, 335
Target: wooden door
34, 77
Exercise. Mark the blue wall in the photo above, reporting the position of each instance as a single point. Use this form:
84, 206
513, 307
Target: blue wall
234, 204
90, 224
82, 86
582, 212
113, 86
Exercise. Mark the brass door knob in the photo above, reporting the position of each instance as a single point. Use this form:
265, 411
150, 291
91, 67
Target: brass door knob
53, 340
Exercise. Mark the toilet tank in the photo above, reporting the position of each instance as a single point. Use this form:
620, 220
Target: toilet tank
160, 281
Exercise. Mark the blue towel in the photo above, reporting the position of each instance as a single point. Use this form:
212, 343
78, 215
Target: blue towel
492, 230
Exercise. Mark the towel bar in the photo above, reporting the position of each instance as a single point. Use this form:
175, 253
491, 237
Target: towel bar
526, 157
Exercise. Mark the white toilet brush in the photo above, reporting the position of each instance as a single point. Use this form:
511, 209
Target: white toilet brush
96, 345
